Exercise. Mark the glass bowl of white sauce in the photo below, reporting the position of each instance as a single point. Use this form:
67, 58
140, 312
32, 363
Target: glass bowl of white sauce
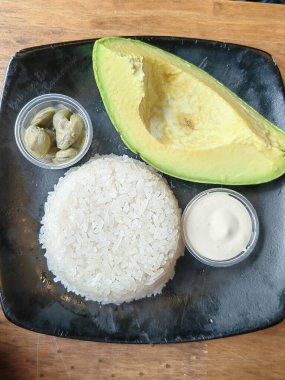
220, 227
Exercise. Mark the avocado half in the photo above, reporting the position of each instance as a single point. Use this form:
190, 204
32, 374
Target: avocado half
181, 120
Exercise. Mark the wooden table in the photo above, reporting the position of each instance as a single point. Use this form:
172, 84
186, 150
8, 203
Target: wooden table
25, 355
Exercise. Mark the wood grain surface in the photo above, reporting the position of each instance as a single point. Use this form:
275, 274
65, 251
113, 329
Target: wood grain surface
26, 355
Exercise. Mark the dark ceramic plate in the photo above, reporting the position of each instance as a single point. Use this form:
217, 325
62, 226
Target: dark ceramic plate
201, 302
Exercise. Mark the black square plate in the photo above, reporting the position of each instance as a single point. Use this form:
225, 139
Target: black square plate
201, 302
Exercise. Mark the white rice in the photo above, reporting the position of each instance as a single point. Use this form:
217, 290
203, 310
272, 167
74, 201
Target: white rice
111, 230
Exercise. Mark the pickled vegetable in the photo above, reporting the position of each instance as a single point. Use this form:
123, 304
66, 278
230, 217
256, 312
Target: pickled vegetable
64, 155
55, 134
68, 133
61, 117
44, 117
37, 140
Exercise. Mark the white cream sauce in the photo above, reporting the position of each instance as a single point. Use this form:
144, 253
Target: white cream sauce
218, 226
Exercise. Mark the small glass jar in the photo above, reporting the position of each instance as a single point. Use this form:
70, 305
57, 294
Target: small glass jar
254, 231
32, 108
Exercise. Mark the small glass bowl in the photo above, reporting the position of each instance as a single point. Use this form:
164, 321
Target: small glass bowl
254, 234
35, 105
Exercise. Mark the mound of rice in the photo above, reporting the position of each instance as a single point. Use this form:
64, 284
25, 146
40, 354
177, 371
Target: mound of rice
111, 230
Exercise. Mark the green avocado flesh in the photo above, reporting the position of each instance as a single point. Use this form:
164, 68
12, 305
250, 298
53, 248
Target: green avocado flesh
181, 120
